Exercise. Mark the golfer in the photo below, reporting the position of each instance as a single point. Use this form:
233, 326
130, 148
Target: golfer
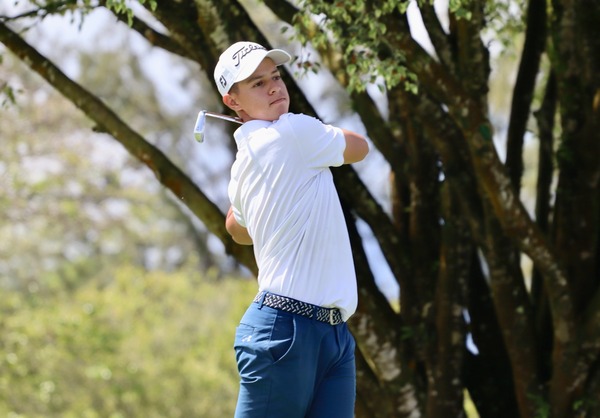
294, 352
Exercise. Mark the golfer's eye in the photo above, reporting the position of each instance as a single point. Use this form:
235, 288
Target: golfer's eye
258, 84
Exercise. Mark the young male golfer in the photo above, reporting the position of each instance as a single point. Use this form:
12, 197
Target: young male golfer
294, 352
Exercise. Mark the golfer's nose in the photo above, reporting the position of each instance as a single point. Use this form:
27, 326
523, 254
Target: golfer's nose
274, 88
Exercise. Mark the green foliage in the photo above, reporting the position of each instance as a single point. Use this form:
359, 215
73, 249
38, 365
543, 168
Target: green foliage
7, 95
360, 32
360, 29
460, 8
584, 404
505, 20
542, 406
78, 9
140, 345
121, 7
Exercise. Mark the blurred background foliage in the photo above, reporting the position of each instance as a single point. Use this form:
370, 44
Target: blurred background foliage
74, 202
112, 303
127, 343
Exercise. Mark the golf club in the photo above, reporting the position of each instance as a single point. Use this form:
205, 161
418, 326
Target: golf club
201, 122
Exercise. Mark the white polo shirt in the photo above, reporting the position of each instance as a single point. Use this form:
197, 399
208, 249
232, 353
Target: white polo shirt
282, 191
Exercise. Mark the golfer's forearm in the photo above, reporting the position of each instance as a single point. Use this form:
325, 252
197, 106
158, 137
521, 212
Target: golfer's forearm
357, 147
237, 232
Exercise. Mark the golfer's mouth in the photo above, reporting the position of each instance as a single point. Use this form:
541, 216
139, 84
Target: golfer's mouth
280, 100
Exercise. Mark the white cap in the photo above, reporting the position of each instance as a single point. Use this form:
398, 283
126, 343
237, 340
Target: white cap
240, 60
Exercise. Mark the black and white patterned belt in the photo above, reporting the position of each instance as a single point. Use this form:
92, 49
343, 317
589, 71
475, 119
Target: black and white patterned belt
331, 316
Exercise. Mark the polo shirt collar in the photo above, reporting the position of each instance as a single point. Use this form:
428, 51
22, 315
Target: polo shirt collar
243, 132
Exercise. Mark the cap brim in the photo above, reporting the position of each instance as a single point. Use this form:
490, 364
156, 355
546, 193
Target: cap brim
278, 56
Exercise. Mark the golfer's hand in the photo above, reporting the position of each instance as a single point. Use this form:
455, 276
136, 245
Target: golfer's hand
237, 232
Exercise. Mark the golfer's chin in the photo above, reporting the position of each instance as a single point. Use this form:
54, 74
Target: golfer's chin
281, 107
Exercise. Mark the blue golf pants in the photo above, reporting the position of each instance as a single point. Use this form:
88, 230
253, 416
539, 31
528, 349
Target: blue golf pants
292, 366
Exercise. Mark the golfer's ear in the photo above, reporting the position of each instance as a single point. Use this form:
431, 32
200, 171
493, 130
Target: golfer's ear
230, 102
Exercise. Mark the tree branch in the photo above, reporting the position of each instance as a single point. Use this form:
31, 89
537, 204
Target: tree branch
166, 172
376, 331
545, 116
152, 36
535, 40
446, 352
491, 174
439, 38
509, 295
492, 389
472, 57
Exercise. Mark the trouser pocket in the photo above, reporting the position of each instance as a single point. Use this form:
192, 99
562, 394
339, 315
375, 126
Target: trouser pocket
283, 336
263, 338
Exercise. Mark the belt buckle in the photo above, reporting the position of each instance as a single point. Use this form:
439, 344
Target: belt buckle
331, 321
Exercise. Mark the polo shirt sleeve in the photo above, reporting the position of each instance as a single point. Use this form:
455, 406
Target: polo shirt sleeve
233, 193
238, 216
321, 145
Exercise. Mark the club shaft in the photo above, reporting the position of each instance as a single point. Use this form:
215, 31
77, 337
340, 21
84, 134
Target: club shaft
224, 117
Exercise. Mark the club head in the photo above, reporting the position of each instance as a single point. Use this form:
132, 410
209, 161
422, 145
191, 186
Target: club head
200, 124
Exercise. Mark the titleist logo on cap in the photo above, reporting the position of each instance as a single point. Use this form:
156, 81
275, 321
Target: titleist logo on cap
241, 53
